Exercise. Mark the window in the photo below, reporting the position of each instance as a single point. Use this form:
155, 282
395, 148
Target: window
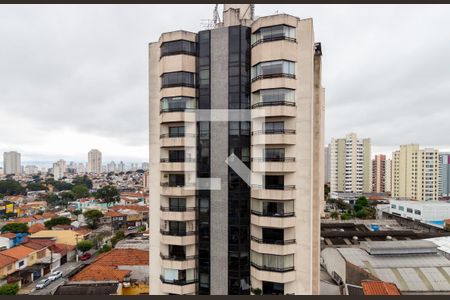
177, 204
274, 182
176, 180
274, 154
176, 131
272, 236
272, 288
273, 127
177, 103
273, 33
177, 227
393, 206
21, 263
410, 210
417, 212
178, 252
174, 79
270, 262
176, 156
401, 208
273, 97
276, 68
178, 47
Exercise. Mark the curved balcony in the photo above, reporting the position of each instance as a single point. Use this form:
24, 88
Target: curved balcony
187, 165
285, 192
178, 286
272, 221
177, 214
279, 165
263, 273
188, 140
172, 116
274, 109
178, 263
274, 137
275, 247
186, 190
181, 238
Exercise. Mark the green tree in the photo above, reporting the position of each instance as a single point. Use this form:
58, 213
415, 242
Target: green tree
361, 202
9, 289
83, 180
109, 194
80, 191
77, 212
92, 217
117, 237
346, 216
334, 215
57, 221
84, 246
10, 187
33, 186
15, 228
105, 248
62, 186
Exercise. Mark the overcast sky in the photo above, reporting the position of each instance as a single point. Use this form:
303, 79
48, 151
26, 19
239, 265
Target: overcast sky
73, 78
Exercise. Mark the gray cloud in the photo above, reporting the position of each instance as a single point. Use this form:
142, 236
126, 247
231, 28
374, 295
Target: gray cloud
82, 70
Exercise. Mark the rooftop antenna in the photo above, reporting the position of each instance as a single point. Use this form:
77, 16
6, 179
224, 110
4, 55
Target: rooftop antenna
211, 23
216, 17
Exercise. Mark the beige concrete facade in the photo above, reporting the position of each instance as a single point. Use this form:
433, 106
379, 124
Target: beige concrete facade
350, 165
415, 173
303, 140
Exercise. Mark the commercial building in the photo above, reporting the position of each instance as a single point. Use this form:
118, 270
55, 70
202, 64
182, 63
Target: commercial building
415, 173
415, 267
59, 168
12, 163
444, 174
256, 85
350, 165
421, 211
94, 161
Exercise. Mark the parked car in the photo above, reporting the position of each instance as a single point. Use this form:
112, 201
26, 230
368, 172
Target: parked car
132, 227
85, 256
43, 283
55, 275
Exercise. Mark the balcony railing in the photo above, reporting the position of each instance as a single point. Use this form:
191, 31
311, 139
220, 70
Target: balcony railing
177, 208
176, 160
273, 214
178, 281
271, 39
287, 75
167, 135
274, 131
273, 103
272, 269
272, 241
176, 109
177, 232
178, 257
274, 187
273, 159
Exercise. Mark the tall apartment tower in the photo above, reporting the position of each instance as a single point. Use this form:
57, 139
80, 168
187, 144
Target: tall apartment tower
388, 176
327, 164
415, 173
350, 165
381, 174
444, 174
12, 163
236, 157
59, 168
94, 161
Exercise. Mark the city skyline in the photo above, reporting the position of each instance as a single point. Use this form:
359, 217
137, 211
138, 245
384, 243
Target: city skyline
374, 92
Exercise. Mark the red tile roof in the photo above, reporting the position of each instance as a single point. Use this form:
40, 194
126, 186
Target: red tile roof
100, 273
38, 217
123, 257
36, 228
131, 207
8, 235
43, 242
63, 248
6, 260
379, 288
34, 246
18, 252
111, 213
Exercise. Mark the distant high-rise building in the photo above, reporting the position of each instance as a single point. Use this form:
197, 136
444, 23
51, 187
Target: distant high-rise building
238, 235
381, 175
444, 165
59, 168
327, 164
112, 167
121, 167
94, 161
415, 173
350, 165
31, 170
81, 168
12, 163
145, 166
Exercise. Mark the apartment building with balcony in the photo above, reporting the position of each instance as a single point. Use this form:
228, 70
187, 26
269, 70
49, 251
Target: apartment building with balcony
350, 165
251, 88
381, 174
415, 173
444, 174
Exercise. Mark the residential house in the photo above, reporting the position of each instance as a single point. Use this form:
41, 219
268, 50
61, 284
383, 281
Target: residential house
7, 265
68, 237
